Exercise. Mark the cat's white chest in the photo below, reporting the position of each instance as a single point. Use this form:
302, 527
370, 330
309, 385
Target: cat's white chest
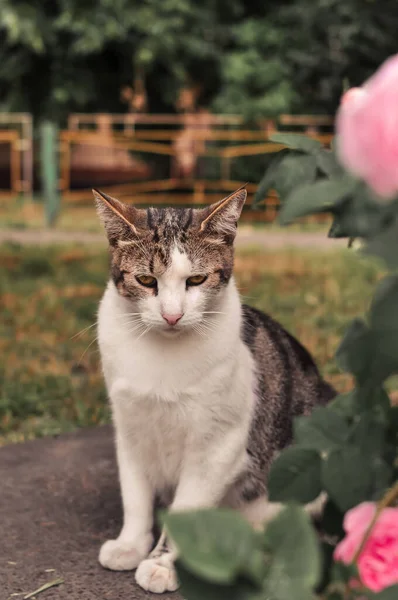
153, 373
158, 433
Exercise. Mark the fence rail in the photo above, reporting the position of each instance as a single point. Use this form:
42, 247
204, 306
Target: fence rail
174, 159
184, 159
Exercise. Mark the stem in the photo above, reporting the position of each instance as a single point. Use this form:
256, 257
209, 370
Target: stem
390, 496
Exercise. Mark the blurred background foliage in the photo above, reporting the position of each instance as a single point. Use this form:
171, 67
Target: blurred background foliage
251, 57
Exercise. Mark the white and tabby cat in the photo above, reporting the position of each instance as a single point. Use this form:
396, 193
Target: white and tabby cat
203, 390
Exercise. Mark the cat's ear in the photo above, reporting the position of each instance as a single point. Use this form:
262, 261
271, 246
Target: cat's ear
222, 217
121, 221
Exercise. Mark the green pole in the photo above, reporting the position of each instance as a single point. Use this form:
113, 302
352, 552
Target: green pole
49, 170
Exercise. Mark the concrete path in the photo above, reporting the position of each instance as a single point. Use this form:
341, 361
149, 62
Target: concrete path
246, 237
59, 500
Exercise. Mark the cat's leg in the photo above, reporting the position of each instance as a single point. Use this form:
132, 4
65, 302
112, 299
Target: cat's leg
209, 468
260, 511
135, 539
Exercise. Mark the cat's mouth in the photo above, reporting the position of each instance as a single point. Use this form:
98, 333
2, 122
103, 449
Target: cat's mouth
172, 332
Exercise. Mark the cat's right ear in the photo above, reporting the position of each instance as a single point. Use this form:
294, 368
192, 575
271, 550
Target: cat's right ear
122, 222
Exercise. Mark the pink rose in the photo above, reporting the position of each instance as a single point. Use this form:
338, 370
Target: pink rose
378, 562
367, 129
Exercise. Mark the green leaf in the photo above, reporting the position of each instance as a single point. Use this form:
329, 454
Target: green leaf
390, 593
295, 476
323, 430
371, 352
385, 245
346, 477
355, 351
384, 303
368, 435
368, 398
294, 170
371, 355
193, 587
327, 163
296, 141
350, 476
344, 404
217, 545
291, 573
268, 181
378, 404
321, 196
360, 216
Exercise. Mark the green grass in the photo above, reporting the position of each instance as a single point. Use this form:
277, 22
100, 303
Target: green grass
50, 378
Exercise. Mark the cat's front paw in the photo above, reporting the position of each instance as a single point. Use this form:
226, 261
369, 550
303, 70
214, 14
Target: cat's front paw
124, 555
157, 575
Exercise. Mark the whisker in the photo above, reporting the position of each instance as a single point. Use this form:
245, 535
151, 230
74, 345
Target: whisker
138, 327
90, 344
83, 330
129, 319
144, 332
127, 315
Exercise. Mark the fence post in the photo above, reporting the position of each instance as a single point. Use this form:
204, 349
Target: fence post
49, 169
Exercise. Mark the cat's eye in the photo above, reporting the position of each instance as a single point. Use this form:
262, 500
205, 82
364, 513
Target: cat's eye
196, 279
146, 280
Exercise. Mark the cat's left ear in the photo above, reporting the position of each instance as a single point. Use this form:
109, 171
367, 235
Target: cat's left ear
222, 217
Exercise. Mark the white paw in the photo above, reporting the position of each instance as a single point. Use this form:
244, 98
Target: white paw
157, 575
123, 555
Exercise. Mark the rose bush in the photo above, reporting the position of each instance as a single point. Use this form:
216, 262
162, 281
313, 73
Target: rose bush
348, 449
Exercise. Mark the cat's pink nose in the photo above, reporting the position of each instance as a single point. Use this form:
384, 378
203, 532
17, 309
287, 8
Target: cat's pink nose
172, 319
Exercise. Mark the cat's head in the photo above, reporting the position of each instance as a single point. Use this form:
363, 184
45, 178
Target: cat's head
172, 263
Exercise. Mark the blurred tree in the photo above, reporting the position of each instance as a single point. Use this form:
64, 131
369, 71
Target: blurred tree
255, 78
251, 57
57, 56
330, 41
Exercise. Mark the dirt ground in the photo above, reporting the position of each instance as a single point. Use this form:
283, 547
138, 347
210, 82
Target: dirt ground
59, 500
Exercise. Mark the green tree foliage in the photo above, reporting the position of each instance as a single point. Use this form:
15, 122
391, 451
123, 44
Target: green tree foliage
57, 56
330, 41
253, 58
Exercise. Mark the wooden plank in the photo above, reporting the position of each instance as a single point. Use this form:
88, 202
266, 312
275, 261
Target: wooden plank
166, 135
15, 167
251, 149
311, 120
9, 135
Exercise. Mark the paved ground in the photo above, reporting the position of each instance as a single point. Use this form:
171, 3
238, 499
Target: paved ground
246, 237
59, 499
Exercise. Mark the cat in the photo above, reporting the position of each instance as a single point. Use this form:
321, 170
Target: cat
203, 389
